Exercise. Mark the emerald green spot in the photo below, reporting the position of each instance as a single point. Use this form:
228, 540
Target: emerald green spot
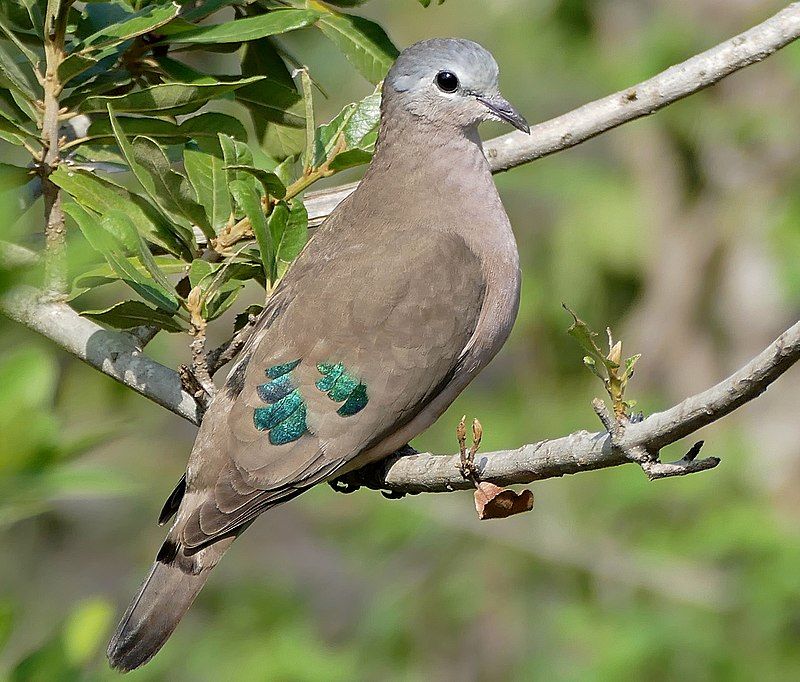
355, 403
279, 370
290, 429
274, 390
332, 373
342, 388
266, 418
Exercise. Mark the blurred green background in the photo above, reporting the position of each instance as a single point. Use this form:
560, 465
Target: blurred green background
681, 231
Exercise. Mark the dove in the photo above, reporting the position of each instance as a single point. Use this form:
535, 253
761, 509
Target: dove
403, 295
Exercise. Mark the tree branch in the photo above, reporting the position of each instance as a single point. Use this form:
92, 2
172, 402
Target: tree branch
116, 354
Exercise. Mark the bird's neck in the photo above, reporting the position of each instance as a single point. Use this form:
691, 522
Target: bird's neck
417, 151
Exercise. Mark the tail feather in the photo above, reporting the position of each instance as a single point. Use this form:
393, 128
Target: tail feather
165, 596
168, 591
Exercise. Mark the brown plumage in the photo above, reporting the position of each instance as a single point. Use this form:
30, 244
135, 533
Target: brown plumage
412, 285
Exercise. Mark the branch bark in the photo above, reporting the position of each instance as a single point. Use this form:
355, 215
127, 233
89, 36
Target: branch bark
117, 354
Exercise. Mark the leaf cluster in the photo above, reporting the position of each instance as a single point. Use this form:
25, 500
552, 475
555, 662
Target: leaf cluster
180, 180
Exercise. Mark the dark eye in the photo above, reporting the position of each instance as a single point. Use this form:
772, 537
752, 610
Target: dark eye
447, 81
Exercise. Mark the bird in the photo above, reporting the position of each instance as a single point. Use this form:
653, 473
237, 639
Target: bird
404, 294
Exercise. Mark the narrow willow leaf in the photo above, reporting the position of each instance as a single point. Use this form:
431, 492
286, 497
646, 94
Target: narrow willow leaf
206, 171
73, 66
275, 105
102, 195
129, 314
113, 250
294, 237
166, 98
235, 154
174, 190
246, 195
363, 42
250, 28
270, 182
138, 23
203, 126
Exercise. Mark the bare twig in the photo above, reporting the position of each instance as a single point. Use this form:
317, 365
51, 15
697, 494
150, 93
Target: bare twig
223, 354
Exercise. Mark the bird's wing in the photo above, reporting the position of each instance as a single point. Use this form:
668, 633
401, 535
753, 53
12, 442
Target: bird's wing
358, 340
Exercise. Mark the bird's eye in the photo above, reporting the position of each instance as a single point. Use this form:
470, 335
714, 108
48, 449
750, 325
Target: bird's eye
446, 81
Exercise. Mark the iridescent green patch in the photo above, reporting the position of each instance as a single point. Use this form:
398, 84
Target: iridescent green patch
341, 386
285, 416
279, 370
356, 402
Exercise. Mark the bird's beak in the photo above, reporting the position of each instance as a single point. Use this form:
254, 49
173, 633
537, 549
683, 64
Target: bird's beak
502, 108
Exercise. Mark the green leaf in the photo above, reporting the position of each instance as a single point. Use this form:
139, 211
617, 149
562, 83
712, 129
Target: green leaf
207, 8
138, 23
250, 28
275, 105
105, 274
363, 42
173, 188
114, 250
350, 159
235, 154
246, 195
206, 171
203, 126
294, 237
101, 195
130, 314
17, 76
14, 132
358, 124
12, 177
166, 98
581, 332
276, 102
74, 65
169, 190
271, 182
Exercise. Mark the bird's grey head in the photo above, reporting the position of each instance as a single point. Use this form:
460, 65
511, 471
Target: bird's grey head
449, 82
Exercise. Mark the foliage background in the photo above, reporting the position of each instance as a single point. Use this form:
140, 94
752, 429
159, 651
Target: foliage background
681, 231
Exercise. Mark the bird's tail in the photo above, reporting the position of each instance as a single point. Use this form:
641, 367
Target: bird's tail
165, 596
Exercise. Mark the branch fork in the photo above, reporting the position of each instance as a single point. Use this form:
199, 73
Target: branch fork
646, 457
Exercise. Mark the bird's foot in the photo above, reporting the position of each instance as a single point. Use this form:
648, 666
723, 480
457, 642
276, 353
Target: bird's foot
372, 475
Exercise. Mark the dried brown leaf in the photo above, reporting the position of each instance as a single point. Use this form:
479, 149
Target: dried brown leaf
494, 502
